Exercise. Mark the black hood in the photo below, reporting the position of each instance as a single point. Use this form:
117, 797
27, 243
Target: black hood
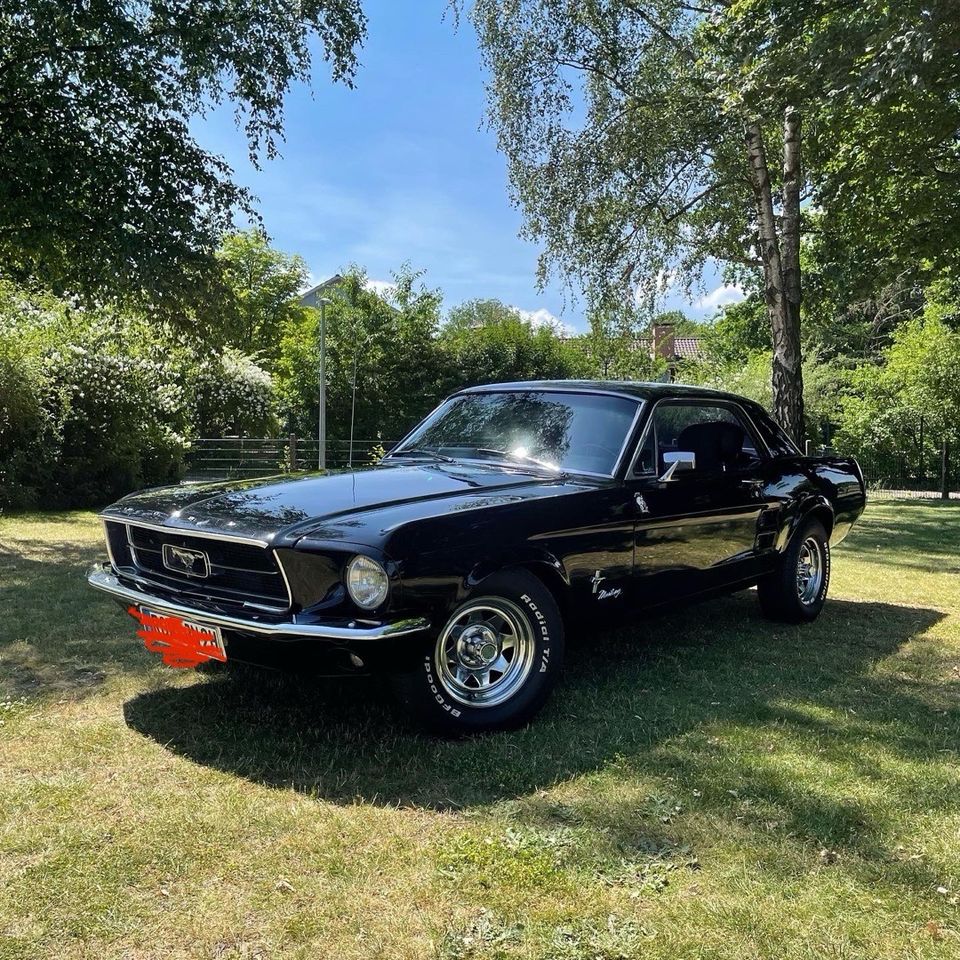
287, 507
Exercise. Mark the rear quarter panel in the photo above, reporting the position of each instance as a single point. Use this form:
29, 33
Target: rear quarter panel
841, 481
831, 485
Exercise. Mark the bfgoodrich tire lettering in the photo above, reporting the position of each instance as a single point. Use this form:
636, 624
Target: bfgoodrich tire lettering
494, 661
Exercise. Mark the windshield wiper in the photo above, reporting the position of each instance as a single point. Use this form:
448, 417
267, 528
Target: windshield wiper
517, 458
420, 452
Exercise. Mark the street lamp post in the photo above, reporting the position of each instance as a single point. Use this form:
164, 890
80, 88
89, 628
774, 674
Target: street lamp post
322, 425
353, 405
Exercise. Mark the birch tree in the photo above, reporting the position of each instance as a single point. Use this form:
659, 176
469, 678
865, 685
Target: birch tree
645, 138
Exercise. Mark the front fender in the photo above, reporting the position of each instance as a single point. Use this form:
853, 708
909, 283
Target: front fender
441, 579
530, 557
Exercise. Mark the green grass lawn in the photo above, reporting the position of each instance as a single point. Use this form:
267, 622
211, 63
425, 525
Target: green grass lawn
702, 784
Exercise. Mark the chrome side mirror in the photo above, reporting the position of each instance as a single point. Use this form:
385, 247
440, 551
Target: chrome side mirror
678, 460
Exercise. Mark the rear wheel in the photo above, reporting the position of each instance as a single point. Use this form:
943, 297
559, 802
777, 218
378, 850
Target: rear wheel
494, 661
797, 590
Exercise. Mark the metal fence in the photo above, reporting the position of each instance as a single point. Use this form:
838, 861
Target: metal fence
228, 458
897, 470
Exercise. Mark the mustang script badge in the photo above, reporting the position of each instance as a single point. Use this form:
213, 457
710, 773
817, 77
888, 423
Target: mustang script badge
192, 563
610, 594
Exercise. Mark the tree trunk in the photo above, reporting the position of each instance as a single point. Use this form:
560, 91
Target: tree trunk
787, 376
791, 223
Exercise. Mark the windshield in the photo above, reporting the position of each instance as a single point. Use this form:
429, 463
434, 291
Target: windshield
579, 432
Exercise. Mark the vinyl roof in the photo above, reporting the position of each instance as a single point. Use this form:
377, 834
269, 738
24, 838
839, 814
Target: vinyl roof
635, 389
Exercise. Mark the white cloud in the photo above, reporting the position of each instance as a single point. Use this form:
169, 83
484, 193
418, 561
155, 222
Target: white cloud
544, 318
382, 288
725, 294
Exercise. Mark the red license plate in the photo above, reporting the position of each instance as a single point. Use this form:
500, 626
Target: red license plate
179, 642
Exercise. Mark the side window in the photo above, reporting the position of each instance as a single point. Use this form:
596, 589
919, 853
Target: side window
717, 437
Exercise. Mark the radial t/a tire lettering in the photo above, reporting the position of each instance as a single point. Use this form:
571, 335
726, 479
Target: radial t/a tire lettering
493, 662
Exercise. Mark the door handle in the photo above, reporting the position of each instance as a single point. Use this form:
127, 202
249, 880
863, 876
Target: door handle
755, 485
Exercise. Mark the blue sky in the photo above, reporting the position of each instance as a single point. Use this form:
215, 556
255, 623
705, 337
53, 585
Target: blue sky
401, 169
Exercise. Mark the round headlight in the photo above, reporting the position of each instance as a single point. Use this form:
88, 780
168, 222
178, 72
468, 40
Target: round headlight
367, 582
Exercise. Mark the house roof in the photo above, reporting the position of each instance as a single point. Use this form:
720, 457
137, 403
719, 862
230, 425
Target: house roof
684, 348
687, 348
325, 285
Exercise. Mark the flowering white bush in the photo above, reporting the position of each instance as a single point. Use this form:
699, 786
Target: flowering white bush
233, 397
94, 404
120, 419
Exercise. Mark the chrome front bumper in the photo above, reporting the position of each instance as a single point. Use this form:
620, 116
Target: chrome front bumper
103, 579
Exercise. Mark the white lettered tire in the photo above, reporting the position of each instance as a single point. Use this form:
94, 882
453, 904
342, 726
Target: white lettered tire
493, 663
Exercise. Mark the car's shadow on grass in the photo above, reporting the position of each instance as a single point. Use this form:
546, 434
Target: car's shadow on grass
693, 695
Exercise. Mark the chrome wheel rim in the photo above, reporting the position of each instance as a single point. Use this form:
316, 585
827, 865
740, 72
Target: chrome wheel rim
484, 653
809, 570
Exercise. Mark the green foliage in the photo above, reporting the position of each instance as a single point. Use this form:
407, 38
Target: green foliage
622, 123
96, 403
748, 374
97, 408
740, 330
905, 407
884, 147
876, 83
119, 418
406, 362
391, 344
263, 284
618, 147
486, 342
854, 305
103, 190
26, 427
474, 314
611, 347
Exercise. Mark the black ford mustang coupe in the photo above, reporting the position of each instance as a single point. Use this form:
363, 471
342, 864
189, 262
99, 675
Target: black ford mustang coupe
511, 511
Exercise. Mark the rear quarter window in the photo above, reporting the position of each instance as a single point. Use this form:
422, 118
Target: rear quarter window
772, 433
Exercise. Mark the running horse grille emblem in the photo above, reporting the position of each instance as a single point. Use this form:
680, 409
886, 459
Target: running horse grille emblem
190, 563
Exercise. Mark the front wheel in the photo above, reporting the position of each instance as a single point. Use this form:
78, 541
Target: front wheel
797, 590
494, 661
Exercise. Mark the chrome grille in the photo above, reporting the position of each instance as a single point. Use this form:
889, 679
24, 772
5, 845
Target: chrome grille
237, 572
